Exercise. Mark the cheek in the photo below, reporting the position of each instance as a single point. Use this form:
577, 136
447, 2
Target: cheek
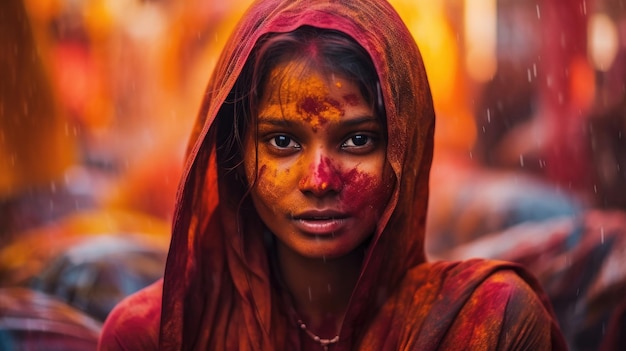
273, 182
366, 191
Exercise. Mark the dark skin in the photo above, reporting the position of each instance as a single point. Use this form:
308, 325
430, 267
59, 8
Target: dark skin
321, 183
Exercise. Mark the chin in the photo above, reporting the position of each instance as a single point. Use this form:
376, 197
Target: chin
324, 250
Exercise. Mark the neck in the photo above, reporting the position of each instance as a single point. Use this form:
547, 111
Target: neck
321, 288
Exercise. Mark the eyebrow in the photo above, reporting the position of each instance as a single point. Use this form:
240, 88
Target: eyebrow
283, 122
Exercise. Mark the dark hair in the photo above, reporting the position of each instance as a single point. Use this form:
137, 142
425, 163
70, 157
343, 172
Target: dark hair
330, 51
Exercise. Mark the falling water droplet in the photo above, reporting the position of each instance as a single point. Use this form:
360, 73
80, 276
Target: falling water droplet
602, 235
538, 12
521, 160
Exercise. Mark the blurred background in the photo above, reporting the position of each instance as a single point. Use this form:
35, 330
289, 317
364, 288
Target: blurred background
97, 98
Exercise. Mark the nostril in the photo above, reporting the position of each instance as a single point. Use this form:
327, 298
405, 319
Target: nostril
322, 178
319, 185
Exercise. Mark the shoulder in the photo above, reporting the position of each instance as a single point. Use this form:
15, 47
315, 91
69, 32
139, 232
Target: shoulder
484, 302
510, 311
134, 323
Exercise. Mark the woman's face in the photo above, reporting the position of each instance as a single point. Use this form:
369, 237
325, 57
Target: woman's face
322, 180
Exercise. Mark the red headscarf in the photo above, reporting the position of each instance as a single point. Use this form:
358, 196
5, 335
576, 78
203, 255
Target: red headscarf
218, 289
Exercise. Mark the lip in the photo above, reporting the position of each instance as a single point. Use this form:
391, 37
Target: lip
320, 222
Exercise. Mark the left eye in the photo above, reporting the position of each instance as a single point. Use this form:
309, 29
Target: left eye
283, 142
357, 141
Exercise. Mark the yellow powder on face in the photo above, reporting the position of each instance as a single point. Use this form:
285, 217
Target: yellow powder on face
300, 96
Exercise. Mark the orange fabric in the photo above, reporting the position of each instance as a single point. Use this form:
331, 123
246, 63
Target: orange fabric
218, 292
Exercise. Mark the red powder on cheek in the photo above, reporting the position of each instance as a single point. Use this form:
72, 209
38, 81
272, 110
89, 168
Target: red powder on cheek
358, 189
363, 189
351, 99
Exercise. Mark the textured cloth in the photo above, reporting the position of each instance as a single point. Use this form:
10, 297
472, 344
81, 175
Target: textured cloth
219, 292
581, 263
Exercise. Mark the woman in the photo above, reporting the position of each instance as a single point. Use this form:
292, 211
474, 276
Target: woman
300, 219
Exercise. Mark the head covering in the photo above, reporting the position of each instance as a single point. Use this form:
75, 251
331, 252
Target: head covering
213, 269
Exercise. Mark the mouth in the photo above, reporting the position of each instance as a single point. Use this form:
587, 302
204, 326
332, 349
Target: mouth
320, 223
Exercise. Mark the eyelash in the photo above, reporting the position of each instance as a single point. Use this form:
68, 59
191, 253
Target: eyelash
370, 141
272, 142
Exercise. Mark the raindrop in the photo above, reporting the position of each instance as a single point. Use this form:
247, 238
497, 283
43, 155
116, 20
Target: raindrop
471, 155
584, 7
521, 160
529, 77
535, 70
602, 235
488, 116
329, 288
484, 129
53, 187
538, 12
310, 294
595, 188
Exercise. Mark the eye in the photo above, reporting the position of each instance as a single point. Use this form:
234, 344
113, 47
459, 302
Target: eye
358, 140
283, 142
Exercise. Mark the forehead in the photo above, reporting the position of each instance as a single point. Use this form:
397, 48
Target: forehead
295, 90
298, 78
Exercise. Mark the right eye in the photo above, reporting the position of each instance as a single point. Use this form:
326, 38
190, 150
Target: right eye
283, 142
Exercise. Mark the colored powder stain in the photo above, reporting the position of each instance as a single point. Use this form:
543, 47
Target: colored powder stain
327, 175
360, 192
351, 99
317, 111
296, 96
359, 188
311, 105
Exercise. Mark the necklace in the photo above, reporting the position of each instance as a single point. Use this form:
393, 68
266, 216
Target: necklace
323, 342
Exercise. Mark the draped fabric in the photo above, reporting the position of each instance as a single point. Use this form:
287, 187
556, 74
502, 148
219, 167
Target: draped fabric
219, 292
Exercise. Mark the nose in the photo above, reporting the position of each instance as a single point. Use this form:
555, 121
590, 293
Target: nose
321, 178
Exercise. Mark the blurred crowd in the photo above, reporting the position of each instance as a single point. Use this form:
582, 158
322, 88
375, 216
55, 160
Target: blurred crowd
97, 98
